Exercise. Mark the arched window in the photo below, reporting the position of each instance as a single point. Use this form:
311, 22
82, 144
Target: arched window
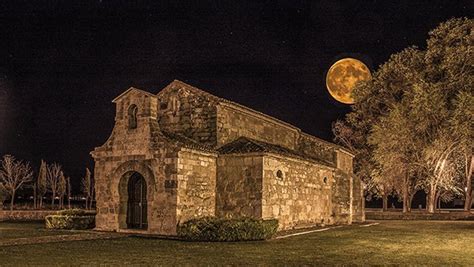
132, 117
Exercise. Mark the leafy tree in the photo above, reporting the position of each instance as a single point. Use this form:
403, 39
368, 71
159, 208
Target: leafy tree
375, 100
415, 113
450, 63
14, 174
461, 122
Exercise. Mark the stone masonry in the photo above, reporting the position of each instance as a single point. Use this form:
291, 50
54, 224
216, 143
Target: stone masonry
201, 155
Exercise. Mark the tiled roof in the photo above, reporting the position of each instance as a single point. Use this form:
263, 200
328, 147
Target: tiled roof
245, 145
232, 103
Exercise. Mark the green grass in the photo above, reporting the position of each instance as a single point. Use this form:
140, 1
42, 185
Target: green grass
391, 242
9, 230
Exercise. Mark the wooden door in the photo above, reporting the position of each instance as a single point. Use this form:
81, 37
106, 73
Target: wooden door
137, 202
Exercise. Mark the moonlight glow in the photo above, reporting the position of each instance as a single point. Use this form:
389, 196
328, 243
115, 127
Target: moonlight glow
343, 76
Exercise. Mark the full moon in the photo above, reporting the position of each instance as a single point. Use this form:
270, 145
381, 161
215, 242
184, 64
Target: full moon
343, 76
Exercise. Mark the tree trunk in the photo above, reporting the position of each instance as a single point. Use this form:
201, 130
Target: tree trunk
468, 200
405, 193
431, 199
427, 200
35, 197
69, 202
87, 206
384, 202
41, 202
439, 203
12, 202
410, 200
52, 200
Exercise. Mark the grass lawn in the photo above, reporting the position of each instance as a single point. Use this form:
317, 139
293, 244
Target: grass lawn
390, 242
9, 230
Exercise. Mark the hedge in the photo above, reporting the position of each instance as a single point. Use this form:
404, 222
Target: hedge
223, 229
75, 219
72, 212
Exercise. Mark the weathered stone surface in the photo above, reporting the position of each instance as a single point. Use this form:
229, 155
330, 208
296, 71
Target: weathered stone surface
234, 122
296, 192
239, 185
172, 140
196, 185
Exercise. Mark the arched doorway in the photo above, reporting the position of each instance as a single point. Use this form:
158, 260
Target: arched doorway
137, 202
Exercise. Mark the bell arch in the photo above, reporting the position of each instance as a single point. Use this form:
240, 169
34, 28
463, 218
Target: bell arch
132, 116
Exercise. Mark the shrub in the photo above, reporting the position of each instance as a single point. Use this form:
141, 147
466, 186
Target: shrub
222, 229
74, 219
72, 212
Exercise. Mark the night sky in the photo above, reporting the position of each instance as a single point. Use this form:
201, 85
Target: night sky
62, 62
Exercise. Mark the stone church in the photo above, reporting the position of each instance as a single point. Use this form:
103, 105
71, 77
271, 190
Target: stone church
184, 153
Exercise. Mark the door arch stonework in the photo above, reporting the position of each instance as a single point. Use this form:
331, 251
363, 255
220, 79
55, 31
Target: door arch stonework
121, 178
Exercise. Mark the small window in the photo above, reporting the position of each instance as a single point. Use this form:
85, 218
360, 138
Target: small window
132, 117
325, 180
163, 106
279, 175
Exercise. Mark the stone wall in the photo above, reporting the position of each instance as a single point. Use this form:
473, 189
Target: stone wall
196, 185
25, 215
317, 148
234, 122
239, 185
184, 111
142, 150
341, 198
344, 161
358, 214
297, 193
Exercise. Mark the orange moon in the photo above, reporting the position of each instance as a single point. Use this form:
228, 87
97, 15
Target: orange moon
343, 76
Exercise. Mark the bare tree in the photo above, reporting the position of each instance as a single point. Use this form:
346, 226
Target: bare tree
13, 175
41, 183
87, 187
53, 175
61, 189
68, 193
